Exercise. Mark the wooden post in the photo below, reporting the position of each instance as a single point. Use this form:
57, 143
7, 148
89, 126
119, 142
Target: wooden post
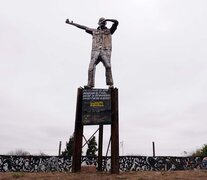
153, 148
114, 132
78, 133
59, 151
100, 148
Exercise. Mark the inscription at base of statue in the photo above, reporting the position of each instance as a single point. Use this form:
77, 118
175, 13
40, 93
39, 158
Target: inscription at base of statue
96, 106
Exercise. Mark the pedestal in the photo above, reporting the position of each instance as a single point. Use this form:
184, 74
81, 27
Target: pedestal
97, 107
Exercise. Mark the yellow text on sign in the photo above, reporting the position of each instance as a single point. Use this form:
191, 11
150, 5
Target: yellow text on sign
97, 104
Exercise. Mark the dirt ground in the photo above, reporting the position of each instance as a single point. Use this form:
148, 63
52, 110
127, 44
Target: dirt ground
144, 175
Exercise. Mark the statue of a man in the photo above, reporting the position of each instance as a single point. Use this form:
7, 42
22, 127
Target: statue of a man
101, 48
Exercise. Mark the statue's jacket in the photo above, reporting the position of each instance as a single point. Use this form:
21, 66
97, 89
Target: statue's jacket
101, 40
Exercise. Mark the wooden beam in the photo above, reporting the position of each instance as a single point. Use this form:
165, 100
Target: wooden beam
78, 133
114, 132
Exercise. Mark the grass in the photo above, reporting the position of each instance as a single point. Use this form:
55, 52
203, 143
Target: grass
17, 175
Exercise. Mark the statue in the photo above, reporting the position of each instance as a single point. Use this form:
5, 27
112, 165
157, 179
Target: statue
101, 49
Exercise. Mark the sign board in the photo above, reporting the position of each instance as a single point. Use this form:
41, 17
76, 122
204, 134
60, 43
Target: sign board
96, 106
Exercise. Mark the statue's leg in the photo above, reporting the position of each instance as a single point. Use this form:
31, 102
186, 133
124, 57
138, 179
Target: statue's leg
92, 68
106, 59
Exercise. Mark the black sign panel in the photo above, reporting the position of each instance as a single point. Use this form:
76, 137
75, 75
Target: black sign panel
96, 106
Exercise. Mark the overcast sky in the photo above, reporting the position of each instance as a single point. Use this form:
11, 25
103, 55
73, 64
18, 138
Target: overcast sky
159, 65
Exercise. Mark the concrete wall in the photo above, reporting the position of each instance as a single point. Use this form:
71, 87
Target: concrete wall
127, 163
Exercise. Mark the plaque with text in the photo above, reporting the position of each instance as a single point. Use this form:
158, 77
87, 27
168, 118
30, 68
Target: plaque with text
96, 106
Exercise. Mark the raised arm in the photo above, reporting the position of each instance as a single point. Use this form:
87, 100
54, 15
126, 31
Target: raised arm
75, 24
112, 20
114, 25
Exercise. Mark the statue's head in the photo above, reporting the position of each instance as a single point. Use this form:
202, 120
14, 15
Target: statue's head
100, 22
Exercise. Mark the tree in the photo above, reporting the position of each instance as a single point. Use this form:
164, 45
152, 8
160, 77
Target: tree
42, 154
69, 147
18, 152
92, 147
201, 152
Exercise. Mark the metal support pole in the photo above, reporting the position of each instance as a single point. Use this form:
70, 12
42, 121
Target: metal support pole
87, 141
100, 148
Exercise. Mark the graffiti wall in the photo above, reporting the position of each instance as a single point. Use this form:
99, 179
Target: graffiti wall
143, 163
127, 163
34, 164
